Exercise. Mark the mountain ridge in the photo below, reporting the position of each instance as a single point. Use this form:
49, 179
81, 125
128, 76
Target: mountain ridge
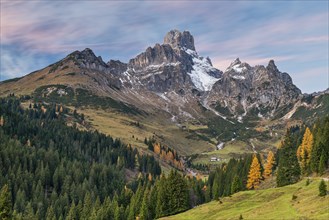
174, 81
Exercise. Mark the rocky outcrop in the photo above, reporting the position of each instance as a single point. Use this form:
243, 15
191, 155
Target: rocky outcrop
174, 65
177, 39
117, 67
157, 55
87, 59
263, 88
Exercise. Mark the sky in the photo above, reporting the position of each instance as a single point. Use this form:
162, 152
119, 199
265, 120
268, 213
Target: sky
295, 34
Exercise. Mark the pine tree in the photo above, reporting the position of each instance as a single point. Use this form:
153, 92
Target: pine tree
215, 188
72, 213
269, 165
5, 203
254, 176
178, 196
235, 186
162, 201
143, 213
304, 151
50, 215
288, 167
322, 188
87, 206
322, 165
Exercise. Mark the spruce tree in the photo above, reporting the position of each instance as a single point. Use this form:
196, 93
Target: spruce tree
144, 213
235, 186
178, 197
322, 188
161, 209
50, 215
288, 167
5, 203
72, 212
322, 165
215, 188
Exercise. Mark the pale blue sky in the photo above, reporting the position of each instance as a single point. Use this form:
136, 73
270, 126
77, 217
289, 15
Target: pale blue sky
35, 33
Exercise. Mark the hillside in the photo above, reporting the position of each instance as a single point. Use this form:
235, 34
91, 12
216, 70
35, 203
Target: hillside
274, 203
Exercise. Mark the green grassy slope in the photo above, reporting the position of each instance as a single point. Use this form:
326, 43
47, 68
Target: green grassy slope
274, 203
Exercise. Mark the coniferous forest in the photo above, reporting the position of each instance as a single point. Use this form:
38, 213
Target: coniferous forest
52, 170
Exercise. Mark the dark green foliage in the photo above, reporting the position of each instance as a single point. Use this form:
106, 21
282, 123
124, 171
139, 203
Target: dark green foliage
144, 213
5, 203
228, 179
288, 167
322, 188
320, 151
236, 185
172, 195
322, 163
57, 171
178, 197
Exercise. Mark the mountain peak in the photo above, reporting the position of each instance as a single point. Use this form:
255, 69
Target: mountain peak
236, 62
271, 66
177, 39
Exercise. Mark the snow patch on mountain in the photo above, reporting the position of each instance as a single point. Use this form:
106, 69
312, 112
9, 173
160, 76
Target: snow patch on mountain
239, 77
237, 68
200, 73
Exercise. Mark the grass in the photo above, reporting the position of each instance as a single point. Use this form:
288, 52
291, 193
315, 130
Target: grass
231, 149
274, 203
122, 126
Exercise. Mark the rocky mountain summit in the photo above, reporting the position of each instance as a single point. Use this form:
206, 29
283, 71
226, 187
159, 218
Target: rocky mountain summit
265, 89
174, 65
173, 77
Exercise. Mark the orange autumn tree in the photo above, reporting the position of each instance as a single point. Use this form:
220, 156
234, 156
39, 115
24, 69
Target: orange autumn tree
304, 151
157, 148
269, 165
254, 175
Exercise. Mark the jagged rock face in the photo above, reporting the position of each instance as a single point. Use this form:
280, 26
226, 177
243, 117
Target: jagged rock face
87, 59
174, 65
157, 55
176, 75
117, 67
176, 39
244, 87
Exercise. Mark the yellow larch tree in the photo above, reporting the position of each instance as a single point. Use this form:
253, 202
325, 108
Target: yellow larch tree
269, 165
304, 150
254, 175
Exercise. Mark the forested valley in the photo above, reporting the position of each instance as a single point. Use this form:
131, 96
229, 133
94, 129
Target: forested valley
50, 170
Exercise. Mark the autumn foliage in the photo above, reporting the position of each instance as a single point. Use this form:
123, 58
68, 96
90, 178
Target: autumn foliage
254, 176
304, 150
269, 165
168, 154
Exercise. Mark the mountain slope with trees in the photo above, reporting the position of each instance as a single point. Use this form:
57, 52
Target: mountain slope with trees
297, 201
